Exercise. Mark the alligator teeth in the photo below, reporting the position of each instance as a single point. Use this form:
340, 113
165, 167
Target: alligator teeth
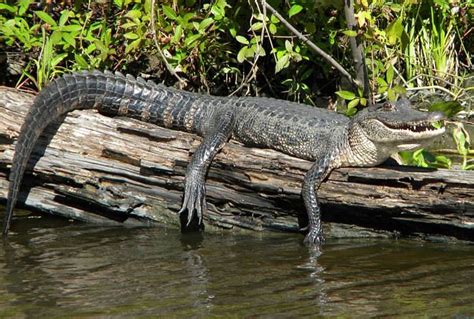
419, 126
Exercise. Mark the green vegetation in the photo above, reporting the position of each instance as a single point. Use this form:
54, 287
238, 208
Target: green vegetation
237, 47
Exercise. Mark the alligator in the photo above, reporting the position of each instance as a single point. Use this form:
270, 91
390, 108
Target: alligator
328, 139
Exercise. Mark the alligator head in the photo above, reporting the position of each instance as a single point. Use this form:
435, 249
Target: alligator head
383, 129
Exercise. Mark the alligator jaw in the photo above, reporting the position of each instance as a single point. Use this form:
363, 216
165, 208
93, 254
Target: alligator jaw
418, 130
421, 134
405, 132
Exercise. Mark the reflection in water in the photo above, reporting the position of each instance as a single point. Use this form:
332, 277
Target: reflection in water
193, 264
87, 271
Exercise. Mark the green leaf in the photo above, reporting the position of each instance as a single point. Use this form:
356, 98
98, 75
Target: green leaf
205, 23
404, 40
132, 46
391, 95
118, 3
56, 37
382, 85
351, 112
24, 5
134, 14
295, 9
64, 17
69, 39
177, 33
394, 31
282, 63
71, 28
169, 12
185, 19
46, 18
129, 25
57, 59
419, 158
195, 25
400, 90
47, 50
250, 51
390, 72
7, 7
442, 162
147, 7
350, 33
437, 124
449, 108
352, 104
241, 56
242, 39
91, 48
130, 36
459, 136
260, 51
406, 157
255, 39
81, 61
346, 95
218, 9
191, 39
99, 45
273, 28
257, 26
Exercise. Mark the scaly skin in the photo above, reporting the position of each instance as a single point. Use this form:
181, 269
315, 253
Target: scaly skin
330, 140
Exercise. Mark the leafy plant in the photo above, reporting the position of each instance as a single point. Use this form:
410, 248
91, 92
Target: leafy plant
353, 100
463, 143
423, 158
228, 47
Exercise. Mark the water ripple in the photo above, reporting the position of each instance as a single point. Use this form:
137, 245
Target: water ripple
86, 271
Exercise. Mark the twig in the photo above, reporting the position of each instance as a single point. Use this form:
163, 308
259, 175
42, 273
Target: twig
313, 46
433, 87
357, 49
160, 52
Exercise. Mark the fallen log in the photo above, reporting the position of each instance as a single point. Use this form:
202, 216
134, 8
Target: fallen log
121, 171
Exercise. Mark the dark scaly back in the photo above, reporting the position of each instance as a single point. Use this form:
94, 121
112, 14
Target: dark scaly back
114, 94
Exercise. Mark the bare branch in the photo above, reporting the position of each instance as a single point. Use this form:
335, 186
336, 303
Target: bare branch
357, 49
312, 46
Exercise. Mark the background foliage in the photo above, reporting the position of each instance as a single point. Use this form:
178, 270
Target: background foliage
235, 47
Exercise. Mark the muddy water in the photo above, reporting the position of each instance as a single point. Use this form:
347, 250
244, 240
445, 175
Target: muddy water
51, 269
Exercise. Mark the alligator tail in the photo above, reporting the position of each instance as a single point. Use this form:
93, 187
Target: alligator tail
110, 93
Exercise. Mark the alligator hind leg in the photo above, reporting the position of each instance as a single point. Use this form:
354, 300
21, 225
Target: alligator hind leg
194, 201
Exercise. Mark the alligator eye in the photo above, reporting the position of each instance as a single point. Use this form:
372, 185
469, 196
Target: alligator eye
387, 106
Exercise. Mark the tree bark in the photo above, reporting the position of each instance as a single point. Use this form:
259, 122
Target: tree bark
121, 171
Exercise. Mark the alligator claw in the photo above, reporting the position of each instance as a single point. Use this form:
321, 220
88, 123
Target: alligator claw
194, 202
313, 238
305, 228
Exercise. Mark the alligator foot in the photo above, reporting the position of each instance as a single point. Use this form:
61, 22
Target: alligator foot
194, 201
313, 238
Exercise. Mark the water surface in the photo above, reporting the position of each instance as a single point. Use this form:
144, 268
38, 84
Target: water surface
73, 270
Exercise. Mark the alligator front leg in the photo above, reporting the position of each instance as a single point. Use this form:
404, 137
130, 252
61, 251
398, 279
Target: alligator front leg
217, 135
313, 178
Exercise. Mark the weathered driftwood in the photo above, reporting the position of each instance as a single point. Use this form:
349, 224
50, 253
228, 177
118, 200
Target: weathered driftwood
121, 171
